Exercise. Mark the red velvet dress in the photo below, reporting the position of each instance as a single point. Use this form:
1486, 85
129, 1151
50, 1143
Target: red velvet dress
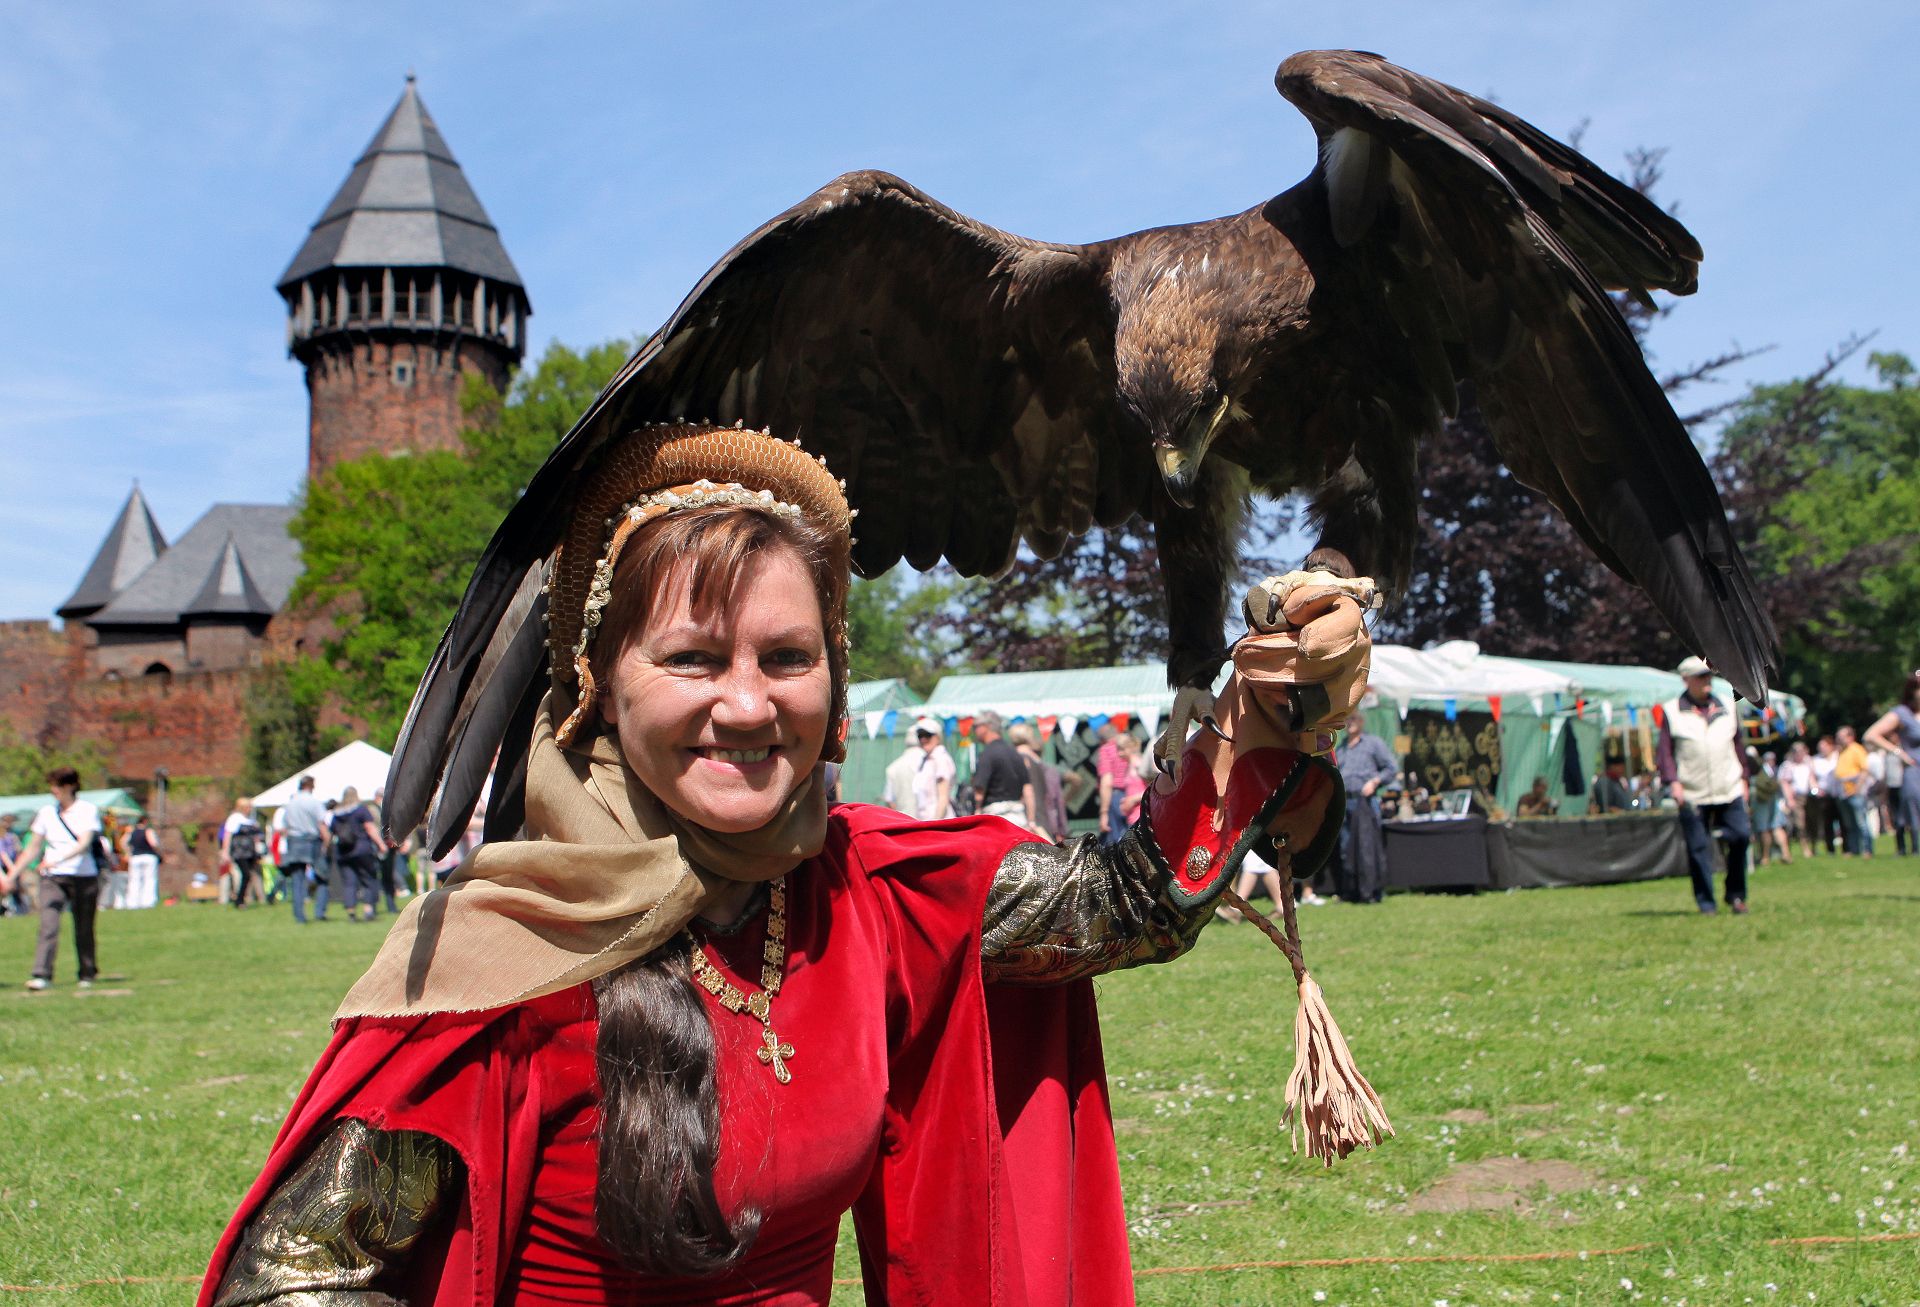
966, 1126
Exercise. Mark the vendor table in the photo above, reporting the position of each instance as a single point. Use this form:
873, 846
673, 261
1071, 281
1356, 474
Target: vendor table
1586, 850
1449, 852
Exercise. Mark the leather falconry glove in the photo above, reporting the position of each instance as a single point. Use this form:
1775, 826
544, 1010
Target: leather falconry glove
1258, 776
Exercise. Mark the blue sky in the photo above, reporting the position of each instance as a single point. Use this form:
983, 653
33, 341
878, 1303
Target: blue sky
162, 163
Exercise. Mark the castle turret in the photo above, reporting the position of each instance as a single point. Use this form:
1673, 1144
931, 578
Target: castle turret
401, 290
133, 543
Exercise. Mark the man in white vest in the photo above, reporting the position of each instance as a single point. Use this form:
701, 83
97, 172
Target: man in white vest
1701, 763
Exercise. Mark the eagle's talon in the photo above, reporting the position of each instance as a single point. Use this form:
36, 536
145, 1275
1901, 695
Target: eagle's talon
1189, 705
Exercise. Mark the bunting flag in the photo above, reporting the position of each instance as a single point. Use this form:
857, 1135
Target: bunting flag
1633, 718
952, 725
966, 729
1047, 724
1121, 721
1606, 712
1403, 707
1580, 709
874, 720
1452, 707
1098, 720
1150, 718
1539, 702
1069, 725
1659, 715
889, 721
1493, 706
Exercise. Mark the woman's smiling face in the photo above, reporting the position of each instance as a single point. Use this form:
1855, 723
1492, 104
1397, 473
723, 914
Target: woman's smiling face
722, 713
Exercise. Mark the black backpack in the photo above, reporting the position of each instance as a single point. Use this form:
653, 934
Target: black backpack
244, 844
346, 835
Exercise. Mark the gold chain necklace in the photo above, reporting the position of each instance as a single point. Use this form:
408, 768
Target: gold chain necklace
773, 1052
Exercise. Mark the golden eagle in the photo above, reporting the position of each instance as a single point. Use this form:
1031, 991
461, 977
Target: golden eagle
977, 389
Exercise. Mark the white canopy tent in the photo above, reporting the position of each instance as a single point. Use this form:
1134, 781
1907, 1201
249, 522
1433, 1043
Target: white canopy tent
358, 764
1457, 670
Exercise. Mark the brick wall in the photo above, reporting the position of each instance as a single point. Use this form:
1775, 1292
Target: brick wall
34, 675
387, 395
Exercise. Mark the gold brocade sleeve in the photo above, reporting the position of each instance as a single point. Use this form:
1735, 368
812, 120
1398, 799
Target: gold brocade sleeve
1061, 912
338, 1230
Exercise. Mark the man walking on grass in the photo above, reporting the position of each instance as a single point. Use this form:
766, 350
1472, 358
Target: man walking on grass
304, 821
1700, 761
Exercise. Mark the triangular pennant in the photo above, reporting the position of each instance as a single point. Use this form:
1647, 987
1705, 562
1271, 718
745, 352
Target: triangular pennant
1047, 724
1121, 721
1539, 702
1452, 708
1150, 719
889, 721
1493, 706
1606, 712
1069, 725
873, 722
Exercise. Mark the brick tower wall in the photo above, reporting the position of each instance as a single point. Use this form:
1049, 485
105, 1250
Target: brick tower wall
385, 395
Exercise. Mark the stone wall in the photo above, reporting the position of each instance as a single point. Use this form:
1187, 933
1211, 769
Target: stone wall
35, 671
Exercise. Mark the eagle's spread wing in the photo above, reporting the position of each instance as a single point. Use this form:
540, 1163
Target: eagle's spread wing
959, 378
1494, 246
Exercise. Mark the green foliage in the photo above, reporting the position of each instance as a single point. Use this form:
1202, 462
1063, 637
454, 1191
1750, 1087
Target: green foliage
893, 628
283, 723
389, 542
1824, 479
24, 763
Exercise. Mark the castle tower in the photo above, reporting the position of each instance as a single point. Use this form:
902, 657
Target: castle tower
401, 289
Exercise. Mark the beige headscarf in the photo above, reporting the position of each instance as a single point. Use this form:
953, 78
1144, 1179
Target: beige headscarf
608, 872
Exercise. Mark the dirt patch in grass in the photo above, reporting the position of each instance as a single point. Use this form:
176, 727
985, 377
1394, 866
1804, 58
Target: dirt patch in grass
1500, 1184
216, 1081
1467, 1115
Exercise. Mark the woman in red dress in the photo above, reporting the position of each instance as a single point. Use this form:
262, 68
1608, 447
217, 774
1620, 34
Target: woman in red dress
655, 1049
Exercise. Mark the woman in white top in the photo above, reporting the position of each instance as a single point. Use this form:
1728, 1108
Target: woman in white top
1826, 791
1796, 787
63, 835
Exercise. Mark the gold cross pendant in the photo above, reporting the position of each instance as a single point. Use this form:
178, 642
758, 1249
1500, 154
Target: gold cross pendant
775, 1054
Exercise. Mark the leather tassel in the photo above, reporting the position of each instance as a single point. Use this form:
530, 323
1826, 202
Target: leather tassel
1330, 1106
1329, 1103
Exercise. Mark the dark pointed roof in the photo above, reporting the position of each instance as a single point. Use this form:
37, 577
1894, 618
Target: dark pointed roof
166, 592
132, 545
229, 589
405, 204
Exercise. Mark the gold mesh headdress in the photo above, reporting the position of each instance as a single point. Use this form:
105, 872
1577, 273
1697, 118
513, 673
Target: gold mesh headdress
651, 473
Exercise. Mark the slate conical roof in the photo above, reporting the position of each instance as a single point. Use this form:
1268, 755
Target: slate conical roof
405, 204
229, 589
132, 545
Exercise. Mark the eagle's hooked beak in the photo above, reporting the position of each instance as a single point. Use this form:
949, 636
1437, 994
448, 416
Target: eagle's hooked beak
1180, 463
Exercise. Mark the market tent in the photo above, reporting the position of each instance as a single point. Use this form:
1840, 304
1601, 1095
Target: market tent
1642, 687
358, 764
869, 747
22, 807
1459, 672
1137, 689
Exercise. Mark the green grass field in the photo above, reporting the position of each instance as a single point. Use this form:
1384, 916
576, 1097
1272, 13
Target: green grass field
1569, 1070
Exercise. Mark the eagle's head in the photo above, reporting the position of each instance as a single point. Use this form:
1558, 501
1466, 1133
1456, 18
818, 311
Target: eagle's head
1178, 363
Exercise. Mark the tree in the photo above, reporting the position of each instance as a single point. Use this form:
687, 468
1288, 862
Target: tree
24, 763
1101, 602
284, 732
1824, 483
893, 631
388, 542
